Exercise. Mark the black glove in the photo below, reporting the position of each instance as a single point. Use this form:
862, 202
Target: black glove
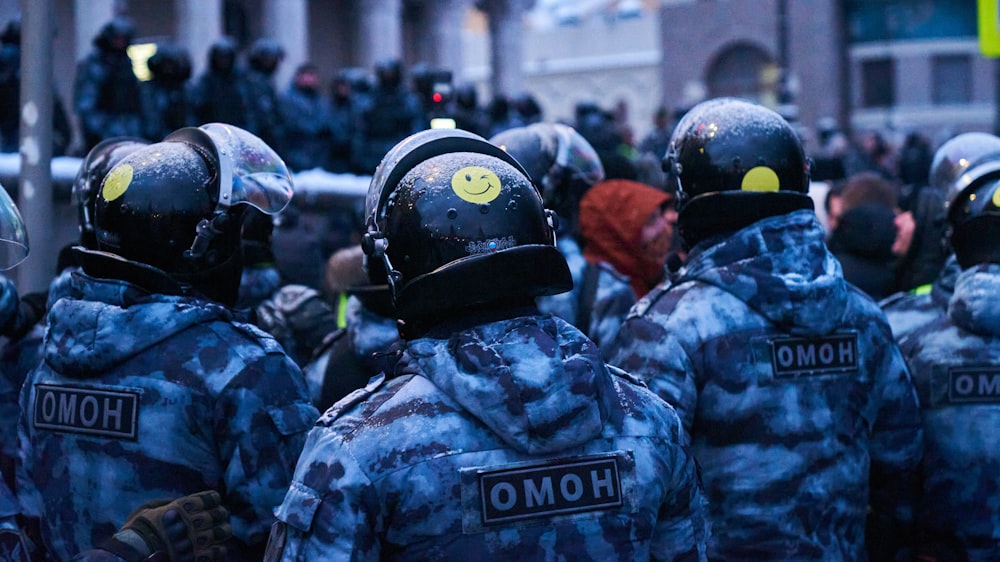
192, 527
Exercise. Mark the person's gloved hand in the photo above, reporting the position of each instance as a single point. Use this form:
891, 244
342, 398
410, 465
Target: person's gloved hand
192, 527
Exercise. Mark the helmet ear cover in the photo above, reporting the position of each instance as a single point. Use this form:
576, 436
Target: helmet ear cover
974, 216
975, 241
722, 212
488, 277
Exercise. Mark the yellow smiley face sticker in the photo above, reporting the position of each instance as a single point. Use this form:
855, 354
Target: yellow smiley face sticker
476, 184
760, 178
117, 182
996, 197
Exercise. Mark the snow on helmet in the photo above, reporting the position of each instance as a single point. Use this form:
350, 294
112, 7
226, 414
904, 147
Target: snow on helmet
99, 161
734, 162
177, 205
957, 154
559, 161
455, 222
974, 214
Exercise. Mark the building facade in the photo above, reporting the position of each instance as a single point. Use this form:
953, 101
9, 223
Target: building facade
895, 65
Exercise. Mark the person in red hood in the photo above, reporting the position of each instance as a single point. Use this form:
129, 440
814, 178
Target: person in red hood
627, 234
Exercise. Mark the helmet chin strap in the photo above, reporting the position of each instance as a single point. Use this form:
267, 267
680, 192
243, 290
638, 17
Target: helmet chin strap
208, 229
375, 244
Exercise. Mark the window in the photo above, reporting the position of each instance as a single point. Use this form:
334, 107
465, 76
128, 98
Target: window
951, 79
878, 83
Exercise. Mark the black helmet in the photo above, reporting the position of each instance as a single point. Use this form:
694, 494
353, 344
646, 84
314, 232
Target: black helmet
222, 55
171, 63
177, 205
957, 154
389, 74
974, 214
560, 162
117, 34
11, 34
733, 163
456, 223
13, 235
265, 55
98, 162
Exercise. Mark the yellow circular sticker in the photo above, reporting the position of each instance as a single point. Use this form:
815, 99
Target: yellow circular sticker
996, 197
117, 182
760, 178
476, 184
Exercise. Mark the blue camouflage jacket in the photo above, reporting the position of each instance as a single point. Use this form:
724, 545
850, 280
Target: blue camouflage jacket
507, 440
908, 311
787, 380
955, 361
612, 302
142, 396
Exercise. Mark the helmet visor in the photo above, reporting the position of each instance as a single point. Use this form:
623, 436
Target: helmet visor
578, 156
251, 171
13, 236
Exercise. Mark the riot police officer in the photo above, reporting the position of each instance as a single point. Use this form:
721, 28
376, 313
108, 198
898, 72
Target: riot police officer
500, 434
908, 311
150, 386
953, 355
784, 375
563, 166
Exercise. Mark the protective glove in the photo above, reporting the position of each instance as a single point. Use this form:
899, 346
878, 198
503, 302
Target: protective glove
190, 528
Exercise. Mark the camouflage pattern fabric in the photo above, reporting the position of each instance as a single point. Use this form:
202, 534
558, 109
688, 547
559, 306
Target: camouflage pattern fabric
800, 409
564, 305
298, 317
257, 284
955, 361
144, 396
13, 546
908, 311
508, 440
611, 305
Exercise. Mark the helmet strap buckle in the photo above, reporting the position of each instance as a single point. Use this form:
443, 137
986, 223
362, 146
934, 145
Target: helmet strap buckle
207, 230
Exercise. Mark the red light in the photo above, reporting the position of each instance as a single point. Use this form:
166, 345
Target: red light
437, 97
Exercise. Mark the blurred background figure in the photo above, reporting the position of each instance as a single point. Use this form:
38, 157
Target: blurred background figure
305, 113
626, 236
345, 89
10, 97
390, 113
469, 114
106, 94
366, 337
263, 59
220, 94
865, 234
166, 96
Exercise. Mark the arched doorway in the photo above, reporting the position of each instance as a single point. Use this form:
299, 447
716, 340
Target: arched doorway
743, 70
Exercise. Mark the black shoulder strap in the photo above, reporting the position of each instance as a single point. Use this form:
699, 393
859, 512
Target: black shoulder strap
344, 371
588, 293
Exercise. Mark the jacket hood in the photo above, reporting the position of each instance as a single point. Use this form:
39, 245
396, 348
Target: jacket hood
369, 332
111, 321
781, 268
535, 381
976, 300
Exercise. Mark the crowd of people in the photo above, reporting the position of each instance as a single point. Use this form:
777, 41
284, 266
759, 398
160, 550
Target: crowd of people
342, 127
539, 341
